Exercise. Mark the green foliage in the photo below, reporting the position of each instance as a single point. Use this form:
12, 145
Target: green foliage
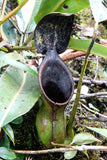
25, 19
9, 131
84, 138
70, 154
19, 92
10, 59
47, 6
101, 131
9, 32
5, 141
18, 120
6, 153
82, 45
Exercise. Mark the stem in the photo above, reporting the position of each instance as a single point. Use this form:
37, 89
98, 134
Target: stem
20, 48
74, 110
94, 112
28, 39
62, 150
3, 7
13, 12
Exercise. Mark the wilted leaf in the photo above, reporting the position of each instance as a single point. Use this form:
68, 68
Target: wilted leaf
47, 6
84, 138
19, 91
70, 154
9, 131
99, 10
101, 131
6, 154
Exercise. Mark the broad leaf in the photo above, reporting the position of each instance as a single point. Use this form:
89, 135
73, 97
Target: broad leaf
84, 138
99, 10
9, 32
101, 131
1, 3
5, 141
82, 45
25, 17
7, 59
47, 6
70, 154
19, 91
73, 6
6, 154
9, 131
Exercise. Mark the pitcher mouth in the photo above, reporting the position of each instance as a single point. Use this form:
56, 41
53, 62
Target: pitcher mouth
56, 82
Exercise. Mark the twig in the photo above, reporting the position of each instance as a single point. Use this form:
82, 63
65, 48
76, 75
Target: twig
72, 55
3, 7
28, 39
94, 94
93, 119
16, 27
62, 150
90, 81
96, 68
19, 48
98, 94
13, 12
92, 111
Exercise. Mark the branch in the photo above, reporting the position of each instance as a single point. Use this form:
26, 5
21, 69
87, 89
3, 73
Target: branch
13, 12
94, 112
92, 119
90, 81
71, 148
72, 55
91, 95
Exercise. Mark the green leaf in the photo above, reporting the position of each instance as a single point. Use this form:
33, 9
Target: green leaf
1, 3
82, 45
9, 32
19, 91
25, 17
6, 59
6, 153
91, 106
18, 120
9, 131
19, 1
101, 131
5, 141
73, 6
47, 6
70, 154
84, 138
99, 10
85, 152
